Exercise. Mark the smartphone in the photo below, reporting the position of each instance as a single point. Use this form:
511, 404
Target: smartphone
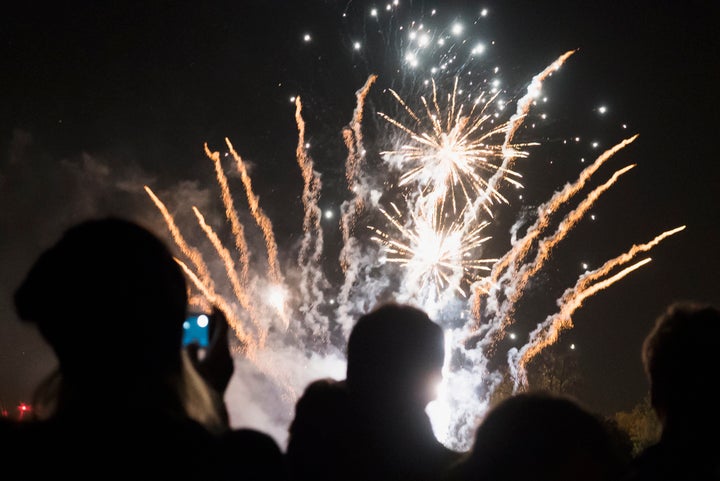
195, 329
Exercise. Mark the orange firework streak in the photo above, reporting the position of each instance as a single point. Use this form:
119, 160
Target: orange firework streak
231, 213
545, 246
573, 298
229, 264
520, 249
548, 332
563, 319
510, 153
518, 252
262, 220
193, 254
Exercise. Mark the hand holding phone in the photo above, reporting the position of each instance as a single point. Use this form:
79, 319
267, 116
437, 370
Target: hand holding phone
215, 363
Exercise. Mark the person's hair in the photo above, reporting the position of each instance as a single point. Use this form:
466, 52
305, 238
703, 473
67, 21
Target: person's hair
679, 356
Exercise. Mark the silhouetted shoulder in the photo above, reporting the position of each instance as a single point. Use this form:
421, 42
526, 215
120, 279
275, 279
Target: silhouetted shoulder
254, 455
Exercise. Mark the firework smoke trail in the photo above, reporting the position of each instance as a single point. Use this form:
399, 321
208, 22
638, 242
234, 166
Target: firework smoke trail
203, 279
261, 219
251, 347
309, 256
548, 332
238, 289
353, 256
519, 279
231, 214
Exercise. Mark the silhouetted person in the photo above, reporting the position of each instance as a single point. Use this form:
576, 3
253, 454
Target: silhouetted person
125, 401
373, 425
540, 437
680, 357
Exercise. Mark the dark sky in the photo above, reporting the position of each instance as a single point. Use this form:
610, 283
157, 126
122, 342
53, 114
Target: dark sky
100, 98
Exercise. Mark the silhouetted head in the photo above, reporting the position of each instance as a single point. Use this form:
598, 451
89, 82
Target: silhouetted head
542, 437
107, 296
681, 361
395, 354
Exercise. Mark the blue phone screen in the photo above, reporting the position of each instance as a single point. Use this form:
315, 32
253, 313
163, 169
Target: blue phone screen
195, 330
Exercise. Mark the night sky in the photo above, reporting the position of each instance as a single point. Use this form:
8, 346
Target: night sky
101, 98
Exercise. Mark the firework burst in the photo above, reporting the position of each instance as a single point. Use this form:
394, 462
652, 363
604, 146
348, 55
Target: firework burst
453, 156
437, 258
449, 149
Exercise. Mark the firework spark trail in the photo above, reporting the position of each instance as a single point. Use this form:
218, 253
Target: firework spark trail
238, 288
248, 344
262, 220
353, 139
231, 214
548, 332
520, 248
309, 256
193, 254
518, 279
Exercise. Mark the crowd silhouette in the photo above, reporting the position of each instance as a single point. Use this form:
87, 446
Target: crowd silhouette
150, 408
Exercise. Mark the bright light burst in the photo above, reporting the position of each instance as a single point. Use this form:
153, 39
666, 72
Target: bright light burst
447, 157
434, 256
452, 155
